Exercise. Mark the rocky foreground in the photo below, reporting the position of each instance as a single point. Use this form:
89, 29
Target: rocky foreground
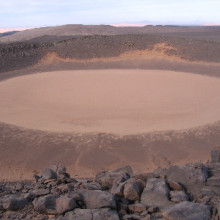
189, 192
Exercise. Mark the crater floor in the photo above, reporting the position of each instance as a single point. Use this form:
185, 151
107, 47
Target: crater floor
113, 101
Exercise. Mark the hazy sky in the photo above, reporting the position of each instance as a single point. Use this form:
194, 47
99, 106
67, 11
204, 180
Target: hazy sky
35, 13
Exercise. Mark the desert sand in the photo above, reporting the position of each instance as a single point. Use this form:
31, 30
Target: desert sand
112, 101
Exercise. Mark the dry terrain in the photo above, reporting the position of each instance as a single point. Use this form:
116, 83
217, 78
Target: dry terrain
94, 102
112, 101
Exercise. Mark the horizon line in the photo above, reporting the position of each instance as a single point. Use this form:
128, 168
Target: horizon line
4, 30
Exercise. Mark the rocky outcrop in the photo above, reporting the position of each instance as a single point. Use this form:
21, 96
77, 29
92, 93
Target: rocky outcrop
189, 192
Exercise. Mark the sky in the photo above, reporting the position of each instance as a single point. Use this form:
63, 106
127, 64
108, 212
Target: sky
38, 13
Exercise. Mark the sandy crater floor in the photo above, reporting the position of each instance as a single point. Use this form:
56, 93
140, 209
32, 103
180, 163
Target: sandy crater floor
116, 101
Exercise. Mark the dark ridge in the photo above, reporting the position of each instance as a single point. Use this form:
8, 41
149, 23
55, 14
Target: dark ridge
51, 38
15, 56
8, 33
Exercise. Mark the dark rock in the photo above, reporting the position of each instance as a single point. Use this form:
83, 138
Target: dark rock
1, 205
36, 178
95, 199
45, 204
153, 209
215, 156
136, 208
190, 173
40, 192
65, 204
156, 193
65, 188
178, 196
91, 214
132, 190
29, 196
74, 195
151, 198
188, 211
132, 217
145, 176
214, 172
92, 186
105, 214
210, 191
174, 185
49, 174
13, 203
141, 183
204, 200
19, 186
157, 185
118, 186
214, 169
59, 169
213, 181
122, 205
191, 176
107, 178
147, 217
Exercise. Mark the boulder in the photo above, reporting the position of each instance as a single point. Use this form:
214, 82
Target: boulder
118, 186
178, 196
45, 204
49, 174
91, 214
156, 193
157, 185
12, 203
155, 199
190, 173
107, 178
64, 204
96, 199
191, 176
59, 169
132, 190
188, 211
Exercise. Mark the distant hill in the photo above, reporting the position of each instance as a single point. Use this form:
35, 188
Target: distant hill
8, 33
68, 31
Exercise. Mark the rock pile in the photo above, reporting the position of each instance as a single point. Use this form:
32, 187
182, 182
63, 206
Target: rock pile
189, 192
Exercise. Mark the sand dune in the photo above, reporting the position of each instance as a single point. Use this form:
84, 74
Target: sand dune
112, 101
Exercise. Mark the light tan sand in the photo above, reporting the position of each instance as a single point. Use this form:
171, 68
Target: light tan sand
116, 101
